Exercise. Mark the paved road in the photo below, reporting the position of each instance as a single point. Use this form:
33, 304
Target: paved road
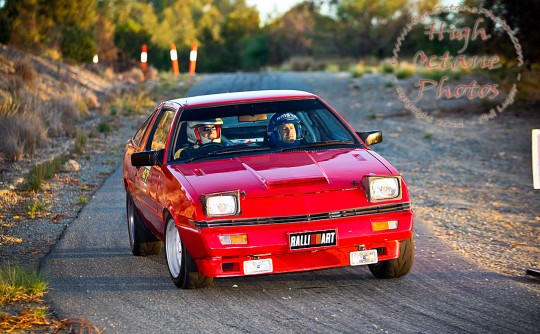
94, 276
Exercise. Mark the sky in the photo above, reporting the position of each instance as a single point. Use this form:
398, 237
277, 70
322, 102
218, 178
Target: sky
271, 7
278, 7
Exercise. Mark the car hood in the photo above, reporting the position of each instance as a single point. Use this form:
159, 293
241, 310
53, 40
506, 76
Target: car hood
282, 173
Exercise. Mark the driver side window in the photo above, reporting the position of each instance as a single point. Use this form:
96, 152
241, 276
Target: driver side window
162, 130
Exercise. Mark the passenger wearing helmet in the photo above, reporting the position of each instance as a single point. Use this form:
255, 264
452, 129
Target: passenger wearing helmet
200, 133
284, 130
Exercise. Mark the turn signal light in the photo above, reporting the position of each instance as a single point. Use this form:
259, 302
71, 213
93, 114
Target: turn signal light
233, 239
385, 225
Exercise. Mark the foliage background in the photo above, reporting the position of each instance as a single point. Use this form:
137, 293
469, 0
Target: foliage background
230, 33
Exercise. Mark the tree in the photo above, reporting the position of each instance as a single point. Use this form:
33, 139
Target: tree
520, 16
292, 35
369, 27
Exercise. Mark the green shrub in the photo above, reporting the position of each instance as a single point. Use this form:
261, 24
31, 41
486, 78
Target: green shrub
34, 208
405, 71
39, 173
355, 73
332, 68
80, 142
82, 200
18, 283
387, 68
104, 127
77, 44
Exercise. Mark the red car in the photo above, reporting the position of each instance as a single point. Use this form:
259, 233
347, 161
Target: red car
263, 182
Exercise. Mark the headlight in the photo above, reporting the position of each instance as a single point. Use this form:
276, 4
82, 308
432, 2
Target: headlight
380, 188
225, 204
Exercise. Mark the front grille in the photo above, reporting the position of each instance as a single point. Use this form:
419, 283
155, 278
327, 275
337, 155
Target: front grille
307, 218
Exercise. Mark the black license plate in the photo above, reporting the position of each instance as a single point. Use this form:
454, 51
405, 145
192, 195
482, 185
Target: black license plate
312, 239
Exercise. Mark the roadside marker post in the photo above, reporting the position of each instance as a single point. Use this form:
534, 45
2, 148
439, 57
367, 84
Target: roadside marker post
174, 60
193, 58
536, 158
144, 57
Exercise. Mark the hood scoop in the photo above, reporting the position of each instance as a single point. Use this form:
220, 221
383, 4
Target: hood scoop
289, 175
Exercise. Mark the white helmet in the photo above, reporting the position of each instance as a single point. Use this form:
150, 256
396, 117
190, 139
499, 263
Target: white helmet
193, 135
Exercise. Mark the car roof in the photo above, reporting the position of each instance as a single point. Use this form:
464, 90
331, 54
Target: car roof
241, 97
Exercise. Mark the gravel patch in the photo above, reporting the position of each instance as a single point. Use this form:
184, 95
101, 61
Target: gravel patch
26, 236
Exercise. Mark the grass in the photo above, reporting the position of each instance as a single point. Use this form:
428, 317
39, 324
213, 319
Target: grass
169, 87
428, 135
39, 173
104, 127
20, 284
82, 200
34, 208
362, 68
387, 68
80, 142
405, 71
132, 103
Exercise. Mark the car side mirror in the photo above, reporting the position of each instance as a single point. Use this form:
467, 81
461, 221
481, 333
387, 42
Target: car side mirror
370, 137
147, 158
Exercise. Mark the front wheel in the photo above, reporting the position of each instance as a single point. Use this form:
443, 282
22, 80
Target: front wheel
181, 266
396, 267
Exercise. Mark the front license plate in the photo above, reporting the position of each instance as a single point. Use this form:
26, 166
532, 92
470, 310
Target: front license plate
364, 257
312, 239
258, 266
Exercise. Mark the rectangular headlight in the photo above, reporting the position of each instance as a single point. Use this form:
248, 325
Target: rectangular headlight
381, 188
218, 205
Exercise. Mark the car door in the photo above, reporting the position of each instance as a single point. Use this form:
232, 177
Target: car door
135, 175
153, 175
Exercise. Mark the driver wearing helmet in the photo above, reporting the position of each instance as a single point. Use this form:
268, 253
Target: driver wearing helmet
200, 133
284, 130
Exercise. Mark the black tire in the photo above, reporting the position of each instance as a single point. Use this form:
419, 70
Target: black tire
142, 242
397, 267
183, 270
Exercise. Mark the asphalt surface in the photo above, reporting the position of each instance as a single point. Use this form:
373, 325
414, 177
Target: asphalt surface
93, 275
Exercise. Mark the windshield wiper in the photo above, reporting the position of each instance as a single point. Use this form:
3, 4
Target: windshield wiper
230, 150
318, 144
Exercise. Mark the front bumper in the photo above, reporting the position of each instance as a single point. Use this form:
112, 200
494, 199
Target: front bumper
271, 241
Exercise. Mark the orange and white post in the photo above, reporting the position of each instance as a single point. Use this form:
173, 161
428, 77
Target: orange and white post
193, 58
144, 57
174, 60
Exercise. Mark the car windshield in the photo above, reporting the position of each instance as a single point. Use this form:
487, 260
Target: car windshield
255, 128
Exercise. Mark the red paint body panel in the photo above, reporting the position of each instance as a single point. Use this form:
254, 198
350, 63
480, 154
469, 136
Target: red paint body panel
286, 184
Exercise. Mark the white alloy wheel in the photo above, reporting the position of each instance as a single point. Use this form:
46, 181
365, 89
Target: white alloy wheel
173, 249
